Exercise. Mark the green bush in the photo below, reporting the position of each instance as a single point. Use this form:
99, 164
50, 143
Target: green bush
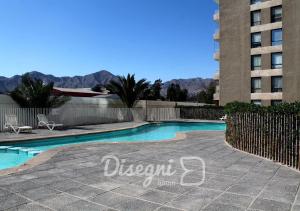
283, 108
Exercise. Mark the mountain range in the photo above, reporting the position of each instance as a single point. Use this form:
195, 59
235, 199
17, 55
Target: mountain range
193, 85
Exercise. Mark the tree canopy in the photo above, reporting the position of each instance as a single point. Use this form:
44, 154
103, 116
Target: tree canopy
128, 89
33, 93
175, 93
207, 95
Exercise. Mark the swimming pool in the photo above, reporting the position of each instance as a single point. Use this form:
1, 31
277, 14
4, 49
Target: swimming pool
15, 154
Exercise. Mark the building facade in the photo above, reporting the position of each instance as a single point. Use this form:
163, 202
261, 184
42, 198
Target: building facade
259, 51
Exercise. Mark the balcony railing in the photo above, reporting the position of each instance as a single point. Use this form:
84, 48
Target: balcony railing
217, 76
217, 16
217, 55
217, 35
217, 96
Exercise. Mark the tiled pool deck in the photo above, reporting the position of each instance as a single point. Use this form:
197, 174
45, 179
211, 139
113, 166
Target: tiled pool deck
74, 179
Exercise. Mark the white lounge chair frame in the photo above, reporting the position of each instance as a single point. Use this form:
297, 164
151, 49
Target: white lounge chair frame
11, 122
44, 122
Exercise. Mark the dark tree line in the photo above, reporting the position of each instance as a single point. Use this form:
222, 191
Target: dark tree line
35, 93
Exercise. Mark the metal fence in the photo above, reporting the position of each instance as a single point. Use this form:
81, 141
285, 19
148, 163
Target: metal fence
83, 115
273, 136
75, 115
26, 116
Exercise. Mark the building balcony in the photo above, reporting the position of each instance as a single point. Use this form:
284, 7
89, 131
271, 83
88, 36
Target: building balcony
217, 16
217, 89
216, 96
217, 56
217, 76
217, 35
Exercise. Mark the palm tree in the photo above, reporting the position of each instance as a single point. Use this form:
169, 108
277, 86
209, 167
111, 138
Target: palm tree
33, 93
128, 89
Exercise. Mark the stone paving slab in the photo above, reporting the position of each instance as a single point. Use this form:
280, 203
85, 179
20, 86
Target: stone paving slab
74, 179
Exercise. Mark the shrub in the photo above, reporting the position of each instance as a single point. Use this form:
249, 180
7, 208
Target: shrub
283, 108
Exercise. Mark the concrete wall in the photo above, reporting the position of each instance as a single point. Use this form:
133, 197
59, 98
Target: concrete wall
291, 50
92, 102
86, 111
235, 51
6, 100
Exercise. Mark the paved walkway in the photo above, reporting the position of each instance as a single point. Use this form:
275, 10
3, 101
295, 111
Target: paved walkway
74, 179
75, 130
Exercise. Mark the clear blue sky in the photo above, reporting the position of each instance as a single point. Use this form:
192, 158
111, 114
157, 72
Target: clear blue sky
152, 38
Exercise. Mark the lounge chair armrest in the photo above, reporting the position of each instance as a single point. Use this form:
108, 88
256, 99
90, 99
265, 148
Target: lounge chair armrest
42, 123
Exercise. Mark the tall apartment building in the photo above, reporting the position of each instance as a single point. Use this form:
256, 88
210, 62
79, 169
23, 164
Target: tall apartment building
259, 51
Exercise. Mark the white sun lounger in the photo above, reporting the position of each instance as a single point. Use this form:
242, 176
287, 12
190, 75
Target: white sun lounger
44, 122
11, 122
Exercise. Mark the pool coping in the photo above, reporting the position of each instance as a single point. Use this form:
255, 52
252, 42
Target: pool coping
138, 124
41, 137
47, 155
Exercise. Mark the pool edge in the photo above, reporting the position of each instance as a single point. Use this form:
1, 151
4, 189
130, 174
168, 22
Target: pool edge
47, 155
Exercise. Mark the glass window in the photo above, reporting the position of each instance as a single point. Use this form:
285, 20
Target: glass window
255, 85
256, 40
255, 18
256, 62
277, 37
277, 84
255, 1
276, 60
256, 102
276, 14
276, 102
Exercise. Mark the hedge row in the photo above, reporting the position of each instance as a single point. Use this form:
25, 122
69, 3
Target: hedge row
283, 108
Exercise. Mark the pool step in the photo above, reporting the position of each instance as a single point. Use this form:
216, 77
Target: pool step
34, 153
29, 151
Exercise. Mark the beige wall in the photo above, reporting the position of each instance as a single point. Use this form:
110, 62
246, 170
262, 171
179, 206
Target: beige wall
291, 50
92, 102
235, 51
6, 100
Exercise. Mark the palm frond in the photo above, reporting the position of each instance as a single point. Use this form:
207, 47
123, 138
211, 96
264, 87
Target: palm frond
128, 89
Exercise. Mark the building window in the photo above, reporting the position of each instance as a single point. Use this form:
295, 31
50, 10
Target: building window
256, 62
276, 14
276, 102
255, 85
256, 40
276, 60
276, 37
255, 18
255, 1
256, 102
277, 84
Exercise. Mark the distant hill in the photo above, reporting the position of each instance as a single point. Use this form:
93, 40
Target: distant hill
193, 85
102, 77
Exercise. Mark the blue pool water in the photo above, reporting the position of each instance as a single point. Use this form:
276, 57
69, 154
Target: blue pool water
15, 154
